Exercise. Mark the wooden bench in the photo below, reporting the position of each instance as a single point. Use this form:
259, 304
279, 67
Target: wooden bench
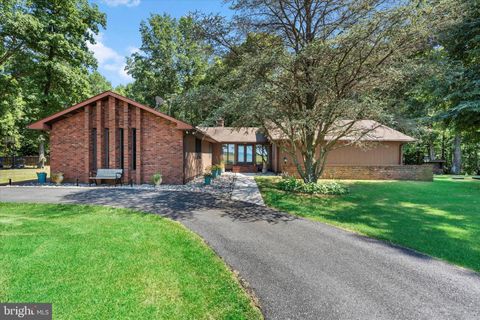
107, 174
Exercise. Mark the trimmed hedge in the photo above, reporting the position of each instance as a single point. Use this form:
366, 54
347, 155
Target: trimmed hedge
296, 185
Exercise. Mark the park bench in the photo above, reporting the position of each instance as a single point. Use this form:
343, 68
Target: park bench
107, 174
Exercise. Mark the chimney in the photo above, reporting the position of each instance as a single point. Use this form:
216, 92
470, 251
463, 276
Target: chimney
220, 122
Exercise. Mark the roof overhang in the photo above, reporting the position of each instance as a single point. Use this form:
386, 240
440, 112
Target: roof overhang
45, 123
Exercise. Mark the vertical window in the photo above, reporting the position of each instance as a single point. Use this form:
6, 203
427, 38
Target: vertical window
106, 148
198, 147
241, 153
228, 153
134, 149
122, 149
94, 149
249, 153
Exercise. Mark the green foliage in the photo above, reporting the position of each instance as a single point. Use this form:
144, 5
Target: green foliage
208, 174
44, 61
327, 188
98, 83
156, 178
171, 61
308, 79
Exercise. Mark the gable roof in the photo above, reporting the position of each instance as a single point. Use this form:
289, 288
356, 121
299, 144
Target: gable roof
367, 130
44, 124
235, 134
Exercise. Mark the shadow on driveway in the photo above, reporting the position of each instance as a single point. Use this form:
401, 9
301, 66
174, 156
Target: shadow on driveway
177, 205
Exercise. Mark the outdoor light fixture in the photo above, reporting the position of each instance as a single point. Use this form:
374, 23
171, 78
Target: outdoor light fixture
285, 160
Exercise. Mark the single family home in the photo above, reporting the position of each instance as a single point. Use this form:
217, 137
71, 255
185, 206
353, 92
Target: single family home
112, 131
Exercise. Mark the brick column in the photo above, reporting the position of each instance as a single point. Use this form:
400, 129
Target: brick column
86, 144
126, 138
112, 150
138, 125
99, 135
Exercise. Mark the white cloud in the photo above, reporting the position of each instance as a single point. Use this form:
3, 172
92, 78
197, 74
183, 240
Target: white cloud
109, 59
131, 50
128, 3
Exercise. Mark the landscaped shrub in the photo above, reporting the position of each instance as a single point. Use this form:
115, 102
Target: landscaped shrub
296, 185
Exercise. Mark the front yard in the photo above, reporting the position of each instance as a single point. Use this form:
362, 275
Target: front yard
104, 263
440, 218
21, 175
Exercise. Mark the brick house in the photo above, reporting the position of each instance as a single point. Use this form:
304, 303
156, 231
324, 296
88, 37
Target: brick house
112, 131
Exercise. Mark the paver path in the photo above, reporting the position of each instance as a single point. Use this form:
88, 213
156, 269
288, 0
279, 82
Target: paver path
301, 269
245, 189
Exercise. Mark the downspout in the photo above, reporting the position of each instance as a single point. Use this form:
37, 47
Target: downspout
184, 156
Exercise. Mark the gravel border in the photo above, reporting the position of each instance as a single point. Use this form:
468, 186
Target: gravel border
221, 186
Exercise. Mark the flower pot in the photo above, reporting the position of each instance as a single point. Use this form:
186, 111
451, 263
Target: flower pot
208, 180
158, 182
57, 178
214, 174
42, 177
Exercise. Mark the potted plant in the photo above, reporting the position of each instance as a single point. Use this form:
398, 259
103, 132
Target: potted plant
213, 170
42, 177
207, 176
57, 178
157, 179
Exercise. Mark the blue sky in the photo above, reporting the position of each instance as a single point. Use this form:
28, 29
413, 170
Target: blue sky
122, 37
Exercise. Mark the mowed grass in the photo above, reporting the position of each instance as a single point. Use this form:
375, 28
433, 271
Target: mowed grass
105, 263
19, 175
440, 218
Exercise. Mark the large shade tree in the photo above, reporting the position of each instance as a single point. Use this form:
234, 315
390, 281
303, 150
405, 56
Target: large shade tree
324, 69
45, 63
171, 61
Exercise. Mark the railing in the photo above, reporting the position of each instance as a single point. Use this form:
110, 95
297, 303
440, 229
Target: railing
21, 161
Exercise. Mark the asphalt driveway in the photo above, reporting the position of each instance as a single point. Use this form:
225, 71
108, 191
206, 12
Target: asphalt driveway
300, 269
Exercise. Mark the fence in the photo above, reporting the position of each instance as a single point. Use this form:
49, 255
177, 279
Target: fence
21, 161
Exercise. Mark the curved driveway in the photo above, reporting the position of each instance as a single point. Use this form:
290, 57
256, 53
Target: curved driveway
300, 269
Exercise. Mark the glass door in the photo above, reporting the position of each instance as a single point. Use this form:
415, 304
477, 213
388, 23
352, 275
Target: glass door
245, 153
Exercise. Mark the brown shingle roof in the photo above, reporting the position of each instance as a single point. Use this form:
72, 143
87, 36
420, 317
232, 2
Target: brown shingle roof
233, 134
363, 130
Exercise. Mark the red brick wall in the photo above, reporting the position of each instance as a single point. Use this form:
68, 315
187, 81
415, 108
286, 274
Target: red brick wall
67, 147
399, 172
159, 143
162, 149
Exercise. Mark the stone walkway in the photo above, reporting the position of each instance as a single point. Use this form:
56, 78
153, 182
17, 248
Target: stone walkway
245, 189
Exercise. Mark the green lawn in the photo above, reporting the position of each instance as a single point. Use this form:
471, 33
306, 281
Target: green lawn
19, 175
105, 263
440, 218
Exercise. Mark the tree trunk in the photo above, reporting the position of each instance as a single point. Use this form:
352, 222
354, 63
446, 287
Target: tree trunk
457, 154
41, 154
443, 146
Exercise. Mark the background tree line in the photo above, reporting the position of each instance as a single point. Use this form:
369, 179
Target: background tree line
301, 66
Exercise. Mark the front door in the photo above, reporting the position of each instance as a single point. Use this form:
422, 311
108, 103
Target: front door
245, 153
